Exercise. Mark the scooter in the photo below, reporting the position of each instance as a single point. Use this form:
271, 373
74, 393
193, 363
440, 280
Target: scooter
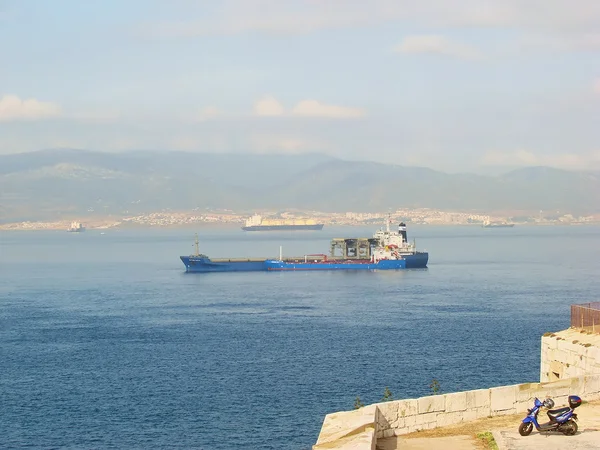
561, 419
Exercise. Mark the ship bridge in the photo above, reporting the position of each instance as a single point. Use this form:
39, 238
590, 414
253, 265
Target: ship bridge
352, 248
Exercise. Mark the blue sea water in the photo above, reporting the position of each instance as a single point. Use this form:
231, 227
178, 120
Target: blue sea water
105, 342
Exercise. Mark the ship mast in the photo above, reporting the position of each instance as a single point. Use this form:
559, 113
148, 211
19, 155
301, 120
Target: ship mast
196, 244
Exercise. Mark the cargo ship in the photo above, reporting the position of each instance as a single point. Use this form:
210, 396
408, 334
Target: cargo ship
257, 223
386, 250
76, 227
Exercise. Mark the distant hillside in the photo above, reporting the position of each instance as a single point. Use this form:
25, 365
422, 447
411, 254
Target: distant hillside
57, 183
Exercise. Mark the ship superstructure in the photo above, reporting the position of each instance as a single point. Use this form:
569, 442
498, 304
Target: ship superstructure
387, 249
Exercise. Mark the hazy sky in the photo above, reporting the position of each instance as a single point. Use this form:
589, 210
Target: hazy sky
449, 84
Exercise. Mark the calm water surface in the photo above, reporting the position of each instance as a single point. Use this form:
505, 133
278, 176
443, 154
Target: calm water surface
105, 342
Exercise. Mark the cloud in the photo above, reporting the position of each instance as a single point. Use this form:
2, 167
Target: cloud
305, 16
527, 158
596, 86
208, 113
268, 106
13, 108
436, 44
313, 108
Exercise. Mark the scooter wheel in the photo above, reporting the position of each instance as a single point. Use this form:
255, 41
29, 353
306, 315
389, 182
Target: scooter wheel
569, 428
525, 429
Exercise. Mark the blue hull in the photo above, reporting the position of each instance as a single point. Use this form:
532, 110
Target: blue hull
417, 261
202, 265
274, 265
316, 227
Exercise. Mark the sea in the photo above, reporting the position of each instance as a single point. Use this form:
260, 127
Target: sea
106, 342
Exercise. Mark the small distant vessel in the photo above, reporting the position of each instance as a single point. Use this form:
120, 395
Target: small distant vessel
257, 223
386, 250
488, 224
76, 227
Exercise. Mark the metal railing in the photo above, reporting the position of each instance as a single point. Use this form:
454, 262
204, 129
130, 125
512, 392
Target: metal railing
586, 316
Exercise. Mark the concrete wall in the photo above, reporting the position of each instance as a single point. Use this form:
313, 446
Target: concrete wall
360, 429
406, 416
570, 364
569, 353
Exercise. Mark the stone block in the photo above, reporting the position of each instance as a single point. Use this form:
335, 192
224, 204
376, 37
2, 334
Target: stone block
478, 398
591, 385
432, 403
503, 398
449, 418
388, 411
523, 406
456, 401
557, 368
527, 391
482, 413
470, 414
549, 342
408, 407
422, 419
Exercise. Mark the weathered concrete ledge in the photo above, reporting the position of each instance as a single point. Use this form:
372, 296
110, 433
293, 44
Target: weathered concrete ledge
360, 429
349, 430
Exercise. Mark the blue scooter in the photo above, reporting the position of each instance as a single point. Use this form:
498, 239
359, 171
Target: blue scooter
561, 419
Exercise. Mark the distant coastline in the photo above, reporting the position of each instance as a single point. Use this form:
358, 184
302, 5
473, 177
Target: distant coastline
92, 225
223, 218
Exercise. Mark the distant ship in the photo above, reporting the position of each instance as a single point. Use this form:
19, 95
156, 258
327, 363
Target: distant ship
76, 227
488, 224
257, 223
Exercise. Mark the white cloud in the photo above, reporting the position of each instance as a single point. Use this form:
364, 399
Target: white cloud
313, 108
13, 108
268, 106
302, 16
208, 113
527, 158
436, 44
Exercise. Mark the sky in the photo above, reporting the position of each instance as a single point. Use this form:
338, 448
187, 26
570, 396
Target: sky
461, 85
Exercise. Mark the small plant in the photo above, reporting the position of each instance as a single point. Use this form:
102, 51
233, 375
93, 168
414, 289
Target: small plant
387, 395
488, 440
434, 386
357, 403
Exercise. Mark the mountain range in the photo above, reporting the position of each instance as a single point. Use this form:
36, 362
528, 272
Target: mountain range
61, 183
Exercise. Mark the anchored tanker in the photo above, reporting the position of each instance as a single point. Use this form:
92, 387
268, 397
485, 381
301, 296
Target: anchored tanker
386, 250
257, 223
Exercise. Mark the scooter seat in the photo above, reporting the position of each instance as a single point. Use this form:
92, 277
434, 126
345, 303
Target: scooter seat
553, 414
